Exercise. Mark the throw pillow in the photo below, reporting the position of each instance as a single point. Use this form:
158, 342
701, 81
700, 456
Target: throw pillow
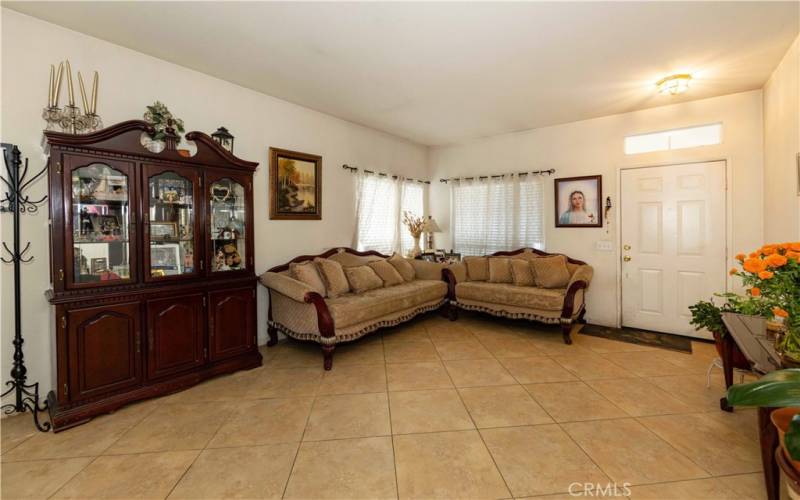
306, 272
386, 272
499, 270
332, 273
551, 272
362, 278
477, 268
522, 272
403, 267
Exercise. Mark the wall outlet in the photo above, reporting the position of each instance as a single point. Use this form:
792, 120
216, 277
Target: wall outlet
604, 246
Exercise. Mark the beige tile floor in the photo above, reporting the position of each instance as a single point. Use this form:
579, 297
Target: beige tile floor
479, 408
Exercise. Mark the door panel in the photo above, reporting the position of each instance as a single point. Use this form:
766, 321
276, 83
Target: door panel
174, 335
673, 237
231, 322
105, 348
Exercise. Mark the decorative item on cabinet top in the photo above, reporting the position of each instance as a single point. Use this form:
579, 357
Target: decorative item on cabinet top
224, 138
70, 119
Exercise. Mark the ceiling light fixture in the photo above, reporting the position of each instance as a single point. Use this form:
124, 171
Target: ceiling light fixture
674, 84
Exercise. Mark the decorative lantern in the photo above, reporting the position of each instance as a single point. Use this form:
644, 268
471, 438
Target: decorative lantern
224, 138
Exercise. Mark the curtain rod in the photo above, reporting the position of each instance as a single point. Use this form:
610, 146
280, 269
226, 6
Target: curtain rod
382, 174
535, 172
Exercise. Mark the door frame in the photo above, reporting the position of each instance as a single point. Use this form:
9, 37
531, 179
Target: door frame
618, 216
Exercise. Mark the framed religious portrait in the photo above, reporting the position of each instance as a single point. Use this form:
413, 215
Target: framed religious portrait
579, 201
295, 185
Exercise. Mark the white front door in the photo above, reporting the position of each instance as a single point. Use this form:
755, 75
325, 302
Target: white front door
673, 243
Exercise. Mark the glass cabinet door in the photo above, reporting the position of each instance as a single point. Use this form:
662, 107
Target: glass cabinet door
171, 230
101, 222
227, 218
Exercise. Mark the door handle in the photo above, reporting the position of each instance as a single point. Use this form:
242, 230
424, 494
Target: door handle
627, 258
626, 247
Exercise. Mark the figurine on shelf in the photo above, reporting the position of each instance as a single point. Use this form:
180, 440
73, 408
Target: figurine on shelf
219, 261
86, 222
232, 258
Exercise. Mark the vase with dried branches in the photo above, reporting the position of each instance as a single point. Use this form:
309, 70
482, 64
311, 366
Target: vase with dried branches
415, 225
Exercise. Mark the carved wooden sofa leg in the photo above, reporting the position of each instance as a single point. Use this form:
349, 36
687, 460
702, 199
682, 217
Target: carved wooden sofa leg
566, 332
327, 356
273, 336
452, 312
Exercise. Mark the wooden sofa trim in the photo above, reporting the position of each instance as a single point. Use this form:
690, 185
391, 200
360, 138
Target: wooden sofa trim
569, 298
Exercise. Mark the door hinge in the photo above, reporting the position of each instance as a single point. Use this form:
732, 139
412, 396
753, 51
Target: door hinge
58, 167
204, 301
66, 390
63, 321
205, 353
60, 275
201, 268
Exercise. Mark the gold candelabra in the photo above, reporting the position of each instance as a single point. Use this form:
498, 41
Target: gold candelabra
71, 119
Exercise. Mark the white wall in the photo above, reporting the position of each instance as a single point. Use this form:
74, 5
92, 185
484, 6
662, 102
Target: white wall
594, 147
781, 146
128, 82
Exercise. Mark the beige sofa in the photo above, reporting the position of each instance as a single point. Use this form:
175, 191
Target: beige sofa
301, 312
562, 302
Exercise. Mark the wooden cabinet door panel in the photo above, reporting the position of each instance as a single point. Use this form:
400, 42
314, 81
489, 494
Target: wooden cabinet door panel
105, 349
174, 335
231, 322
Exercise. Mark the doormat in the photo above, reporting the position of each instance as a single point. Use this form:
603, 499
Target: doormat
642, 337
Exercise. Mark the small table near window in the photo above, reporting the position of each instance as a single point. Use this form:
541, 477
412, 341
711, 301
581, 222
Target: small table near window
749, 333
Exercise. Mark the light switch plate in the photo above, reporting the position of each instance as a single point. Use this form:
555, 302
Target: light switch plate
604, 246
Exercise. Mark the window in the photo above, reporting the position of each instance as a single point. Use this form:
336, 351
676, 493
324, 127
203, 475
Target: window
499, 213
380, 202
692, 137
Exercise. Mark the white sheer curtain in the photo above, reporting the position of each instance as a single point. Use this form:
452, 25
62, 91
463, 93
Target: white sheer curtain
497, 213
380, 202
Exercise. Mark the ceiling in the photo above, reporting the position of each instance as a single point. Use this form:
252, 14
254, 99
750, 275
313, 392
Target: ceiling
442, 73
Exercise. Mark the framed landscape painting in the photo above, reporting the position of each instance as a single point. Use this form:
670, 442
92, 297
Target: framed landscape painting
579, 201
295, 185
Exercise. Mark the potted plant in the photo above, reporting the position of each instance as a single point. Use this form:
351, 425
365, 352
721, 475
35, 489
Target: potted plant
779, 389
771, 276
706, 314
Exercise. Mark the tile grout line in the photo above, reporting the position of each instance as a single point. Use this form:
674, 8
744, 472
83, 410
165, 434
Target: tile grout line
391, 426
477, 430
302, 436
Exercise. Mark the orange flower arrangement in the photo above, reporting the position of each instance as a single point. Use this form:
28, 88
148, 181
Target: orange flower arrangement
771, 276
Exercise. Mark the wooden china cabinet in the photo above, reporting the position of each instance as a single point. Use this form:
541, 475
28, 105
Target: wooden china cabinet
151, 267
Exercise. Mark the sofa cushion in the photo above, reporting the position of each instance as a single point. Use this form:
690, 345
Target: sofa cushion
477, 268
551, 271
352, 309
500, 270
307, 272
506, 293
349, 260
333, 275
522, 272
426, 270
362, 278
403, 267
386, 272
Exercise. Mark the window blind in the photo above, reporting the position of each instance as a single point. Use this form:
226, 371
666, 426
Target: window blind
494, 214
380, 203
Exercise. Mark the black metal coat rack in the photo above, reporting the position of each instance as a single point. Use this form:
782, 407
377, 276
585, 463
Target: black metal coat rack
26, 396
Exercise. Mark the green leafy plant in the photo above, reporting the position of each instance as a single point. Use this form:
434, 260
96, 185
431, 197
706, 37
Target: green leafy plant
160, 117
706, 314
776, 389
